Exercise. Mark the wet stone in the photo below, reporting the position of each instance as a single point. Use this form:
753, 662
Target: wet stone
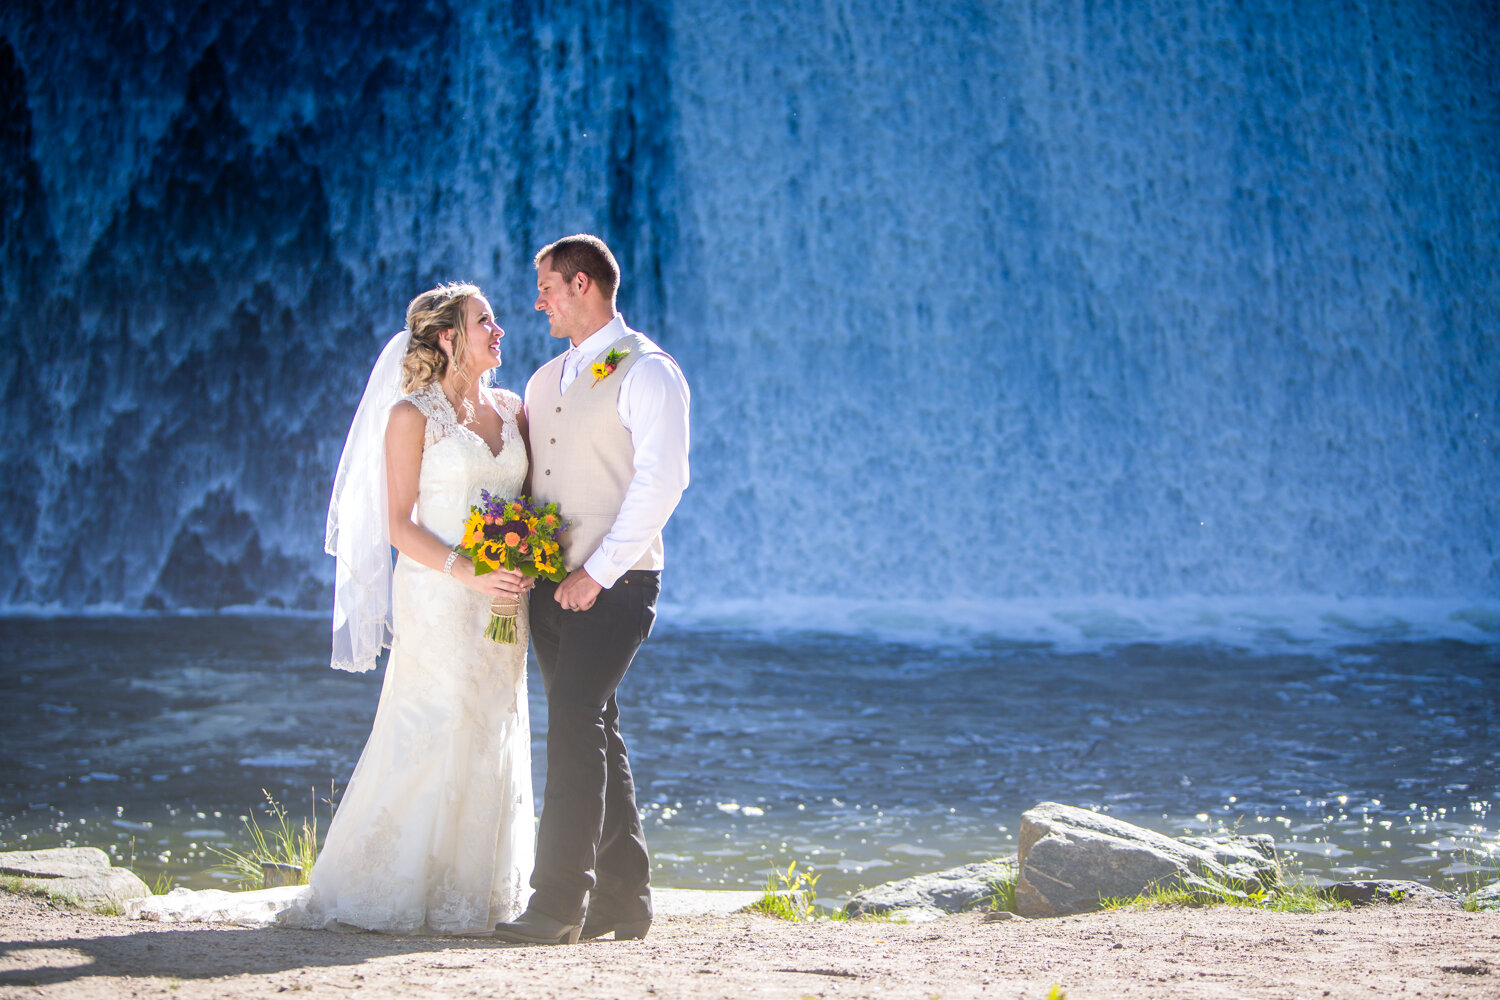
83, 874
1368, 891
1071, 858
927, 897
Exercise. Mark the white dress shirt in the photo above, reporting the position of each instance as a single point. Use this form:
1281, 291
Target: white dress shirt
653, 407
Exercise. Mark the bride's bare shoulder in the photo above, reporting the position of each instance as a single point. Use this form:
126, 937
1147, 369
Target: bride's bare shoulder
406, 421
407, 413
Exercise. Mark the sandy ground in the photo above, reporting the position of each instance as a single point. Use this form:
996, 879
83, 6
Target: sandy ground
1401, 950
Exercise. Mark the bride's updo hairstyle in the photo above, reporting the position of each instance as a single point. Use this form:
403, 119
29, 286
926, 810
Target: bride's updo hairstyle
430, 314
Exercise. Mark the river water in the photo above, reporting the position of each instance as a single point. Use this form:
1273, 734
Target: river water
868, 758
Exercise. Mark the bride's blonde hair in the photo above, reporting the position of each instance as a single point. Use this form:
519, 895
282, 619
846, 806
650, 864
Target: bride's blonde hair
430, 314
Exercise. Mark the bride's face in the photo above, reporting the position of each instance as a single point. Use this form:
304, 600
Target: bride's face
482, 335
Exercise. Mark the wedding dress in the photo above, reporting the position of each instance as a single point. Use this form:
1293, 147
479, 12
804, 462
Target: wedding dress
435, 829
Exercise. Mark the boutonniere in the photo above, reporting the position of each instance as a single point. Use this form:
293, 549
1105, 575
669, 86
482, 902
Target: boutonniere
604, 369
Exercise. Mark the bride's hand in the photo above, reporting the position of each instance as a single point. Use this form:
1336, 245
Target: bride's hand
498, 583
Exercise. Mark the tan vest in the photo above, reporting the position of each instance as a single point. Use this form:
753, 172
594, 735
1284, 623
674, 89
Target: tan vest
582, 458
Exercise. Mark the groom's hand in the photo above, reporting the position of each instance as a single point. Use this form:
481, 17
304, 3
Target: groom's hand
577, 592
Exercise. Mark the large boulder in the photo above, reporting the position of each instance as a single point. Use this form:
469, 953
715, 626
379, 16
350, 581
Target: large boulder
83, 874
1367, 891
1071, 858
1249, 858
1488, 898
927, 897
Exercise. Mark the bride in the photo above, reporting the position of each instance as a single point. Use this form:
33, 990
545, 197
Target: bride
435, 829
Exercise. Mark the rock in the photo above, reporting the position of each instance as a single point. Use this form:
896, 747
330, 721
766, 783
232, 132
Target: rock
1488, 898
1072, 857
83, 874
58, 862
1249, 858
999, 916
1367, 891
274, 874
927, 897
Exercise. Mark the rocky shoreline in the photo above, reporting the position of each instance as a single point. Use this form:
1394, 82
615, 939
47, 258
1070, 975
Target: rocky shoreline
953, 934
1071, 859
1068, 862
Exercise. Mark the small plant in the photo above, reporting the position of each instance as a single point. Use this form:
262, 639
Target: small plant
163, 884
1056, 993
280, 844
1478, 863
789, 894
1002, 897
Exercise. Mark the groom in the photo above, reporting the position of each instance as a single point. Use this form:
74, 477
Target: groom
609, 445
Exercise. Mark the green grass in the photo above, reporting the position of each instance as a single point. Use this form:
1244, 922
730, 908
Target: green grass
1291, 894
1002, 897
1480, 859
279, 843
789, 895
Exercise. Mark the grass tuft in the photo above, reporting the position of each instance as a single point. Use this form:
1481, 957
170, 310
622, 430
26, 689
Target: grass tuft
1002, 897
280, 843
789, 895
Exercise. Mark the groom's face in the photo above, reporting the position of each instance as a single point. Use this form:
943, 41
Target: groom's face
559, 299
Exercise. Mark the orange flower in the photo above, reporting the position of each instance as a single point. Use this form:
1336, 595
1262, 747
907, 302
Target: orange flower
511, 538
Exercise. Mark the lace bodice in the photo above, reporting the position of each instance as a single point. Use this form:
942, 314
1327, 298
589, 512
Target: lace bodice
457, 463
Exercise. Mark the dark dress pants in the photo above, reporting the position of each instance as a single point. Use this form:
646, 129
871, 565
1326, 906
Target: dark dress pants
590, 844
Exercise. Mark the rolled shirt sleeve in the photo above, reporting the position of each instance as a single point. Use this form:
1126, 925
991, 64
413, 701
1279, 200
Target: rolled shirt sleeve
653, 405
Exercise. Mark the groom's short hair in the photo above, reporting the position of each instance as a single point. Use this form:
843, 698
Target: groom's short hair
585, 253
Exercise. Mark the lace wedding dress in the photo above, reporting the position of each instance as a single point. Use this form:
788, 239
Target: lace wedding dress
435, 829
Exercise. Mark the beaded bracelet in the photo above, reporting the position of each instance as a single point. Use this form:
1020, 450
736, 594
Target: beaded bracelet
448, 563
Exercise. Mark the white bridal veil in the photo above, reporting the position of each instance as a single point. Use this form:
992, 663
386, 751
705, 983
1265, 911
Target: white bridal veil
359, 533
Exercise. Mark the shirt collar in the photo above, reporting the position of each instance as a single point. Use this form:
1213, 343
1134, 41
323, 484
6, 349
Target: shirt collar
600, 339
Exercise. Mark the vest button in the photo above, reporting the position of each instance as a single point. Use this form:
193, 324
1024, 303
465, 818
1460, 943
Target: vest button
547, 473
559, 409
552, 441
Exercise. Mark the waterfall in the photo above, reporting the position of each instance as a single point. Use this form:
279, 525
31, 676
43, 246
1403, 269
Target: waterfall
1001, 300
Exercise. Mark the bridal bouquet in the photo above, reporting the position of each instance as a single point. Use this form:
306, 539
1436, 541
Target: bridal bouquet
515, 534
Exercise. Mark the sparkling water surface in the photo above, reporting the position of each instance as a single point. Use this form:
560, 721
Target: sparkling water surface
867, 758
